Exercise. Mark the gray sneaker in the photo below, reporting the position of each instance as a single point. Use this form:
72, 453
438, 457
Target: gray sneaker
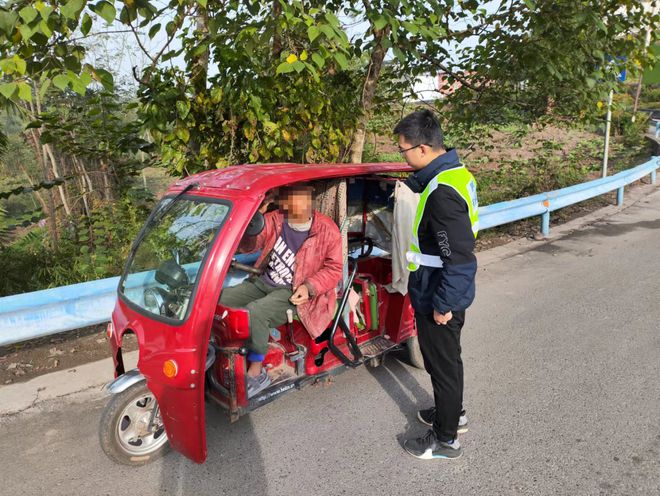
427, 416
430, 447
257, 384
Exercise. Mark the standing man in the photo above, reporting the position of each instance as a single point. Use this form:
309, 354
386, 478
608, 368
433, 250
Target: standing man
443, 268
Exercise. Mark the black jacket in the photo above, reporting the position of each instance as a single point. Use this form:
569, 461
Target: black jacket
445, 230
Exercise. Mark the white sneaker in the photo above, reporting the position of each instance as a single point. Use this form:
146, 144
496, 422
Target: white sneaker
258, 383
427, 416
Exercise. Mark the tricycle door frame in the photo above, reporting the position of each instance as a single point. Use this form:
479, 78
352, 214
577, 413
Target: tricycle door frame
183, 402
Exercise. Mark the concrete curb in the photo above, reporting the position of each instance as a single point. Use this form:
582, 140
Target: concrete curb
23, 396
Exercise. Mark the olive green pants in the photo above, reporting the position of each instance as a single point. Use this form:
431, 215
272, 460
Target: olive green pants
267, 306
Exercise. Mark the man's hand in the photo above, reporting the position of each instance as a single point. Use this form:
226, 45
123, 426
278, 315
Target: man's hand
270, 198
300, 295
442, 319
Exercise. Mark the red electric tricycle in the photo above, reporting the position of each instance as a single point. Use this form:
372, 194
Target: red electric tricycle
191, 348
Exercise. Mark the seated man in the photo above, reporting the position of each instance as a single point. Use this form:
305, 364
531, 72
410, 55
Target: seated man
301, 264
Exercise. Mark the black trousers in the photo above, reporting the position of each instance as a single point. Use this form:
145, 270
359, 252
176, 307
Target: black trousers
441, 349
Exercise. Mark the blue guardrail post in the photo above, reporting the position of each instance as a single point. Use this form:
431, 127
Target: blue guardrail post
545, 224
619, 196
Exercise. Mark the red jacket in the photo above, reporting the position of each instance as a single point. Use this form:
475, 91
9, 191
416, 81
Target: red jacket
319, 266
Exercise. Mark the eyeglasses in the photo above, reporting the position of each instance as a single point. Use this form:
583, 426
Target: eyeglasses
404, 150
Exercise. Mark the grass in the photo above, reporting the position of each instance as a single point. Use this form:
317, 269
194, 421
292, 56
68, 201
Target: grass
649, 105
370, 155
155, 179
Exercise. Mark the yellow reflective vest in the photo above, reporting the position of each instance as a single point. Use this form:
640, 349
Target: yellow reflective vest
462, 181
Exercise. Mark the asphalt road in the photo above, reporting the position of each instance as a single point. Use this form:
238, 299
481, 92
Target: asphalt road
562, 357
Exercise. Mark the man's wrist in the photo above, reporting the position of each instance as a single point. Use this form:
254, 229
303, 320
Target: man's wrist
310, 289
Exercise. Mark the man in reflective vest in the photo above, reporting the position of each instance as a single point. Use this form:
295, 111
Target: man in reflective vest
442, 271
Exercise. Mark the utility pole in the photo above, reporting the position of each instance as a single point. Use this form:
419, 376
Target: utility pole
608, 122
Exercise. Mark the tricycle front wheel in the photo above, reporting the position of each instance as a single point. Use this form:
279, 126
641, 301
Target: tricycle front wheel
131, 431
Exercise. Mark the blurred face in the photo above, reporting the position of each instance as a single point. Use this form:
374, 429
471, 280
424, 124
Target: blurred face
296, 202
416, 156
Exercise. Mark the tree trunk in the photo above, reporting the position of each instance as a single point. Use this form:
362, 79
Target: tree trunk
84, 193
80, 166
107, 187
368, 93
85, 175
200, 64
44, 156
49, 205
277, 38
56, 173
199, 68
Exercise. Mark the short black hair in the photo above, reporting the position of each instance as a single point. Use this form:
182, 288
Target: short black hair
285, 191
421, 128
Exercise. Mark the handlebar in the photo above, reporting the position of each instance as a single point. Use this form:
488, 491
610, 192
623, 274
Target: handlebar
246, 268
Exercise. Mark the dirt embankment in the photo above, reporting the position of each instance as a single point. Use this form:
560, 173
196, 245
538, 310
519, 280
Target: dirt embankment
490, 150
23, 361
507, 147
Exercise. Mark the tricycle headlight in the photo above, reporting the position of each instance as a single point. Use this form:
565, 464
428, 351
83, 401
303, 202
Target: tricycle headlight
153, 300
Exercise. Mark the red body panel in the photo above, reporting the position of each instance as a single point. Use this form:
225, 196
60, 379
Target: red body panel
257, 179
181, 398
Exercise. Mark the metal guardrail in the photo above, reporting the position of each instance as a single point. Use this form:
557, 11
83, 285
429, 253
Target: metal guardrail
51, 311
545, 203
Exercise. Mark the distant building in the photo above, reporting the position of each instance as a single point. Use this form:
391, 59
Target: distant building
445, 88
425, 89
429, 88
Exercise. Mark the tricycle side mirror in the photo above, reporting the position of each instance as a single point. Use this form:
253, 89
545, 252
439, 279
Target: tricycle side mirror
256, 225
171, 274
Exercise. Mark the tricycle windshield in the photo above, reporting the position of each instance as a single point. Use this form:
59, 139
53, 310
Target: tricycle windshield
161, 275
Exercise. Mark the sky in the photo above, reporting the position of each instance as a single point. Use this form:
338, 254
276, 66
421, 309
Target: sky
121, 52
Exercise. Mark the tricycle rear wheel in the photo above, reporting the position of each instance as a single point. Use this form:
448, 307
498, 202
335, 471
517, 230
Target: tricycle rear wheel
414, 352
131, 431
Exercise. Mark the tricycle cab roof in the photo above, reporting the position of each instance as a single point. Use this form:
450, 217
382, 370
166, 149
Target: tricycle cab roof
259, 178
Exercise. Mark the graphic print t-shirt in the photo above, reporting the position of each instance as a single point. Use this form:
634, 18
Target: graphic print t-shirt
281, 265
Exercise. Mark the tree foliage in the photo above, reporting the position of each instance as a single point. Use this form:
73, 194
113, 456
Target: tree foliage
257, 80
551, 59
278, 92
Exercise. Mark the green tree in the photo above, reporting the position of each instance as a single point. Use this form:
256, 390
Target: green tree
278, 92
551, 59
276, 80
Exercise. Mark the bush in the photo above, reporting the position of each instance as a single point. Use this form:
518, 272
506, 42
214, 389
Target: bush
632, 133
25, 262
650, 96
545, 172
88, 249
